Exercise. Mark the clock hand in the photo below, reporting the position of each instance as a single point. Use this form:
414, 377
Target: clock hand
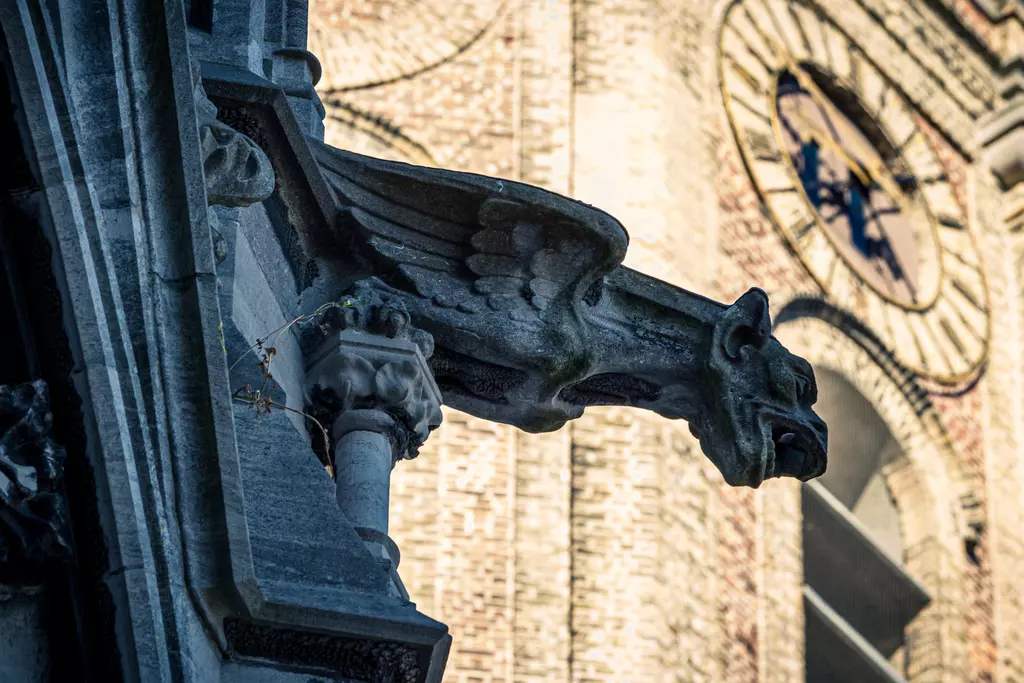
888, 254
826, 140
874, 172
877, 170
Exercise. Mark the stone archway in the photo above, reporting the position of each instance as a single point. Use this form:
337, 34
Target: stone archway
861, 449
920, 472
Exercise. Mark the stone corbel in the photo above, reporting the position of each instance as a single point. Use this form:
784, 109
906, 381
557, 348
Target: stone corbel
368, 378
237, 172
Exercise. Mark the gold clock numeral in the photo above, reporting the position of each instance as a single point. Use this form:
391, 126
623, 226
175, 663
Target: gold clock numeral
762, 146
810, 32
801, 228
953, 337
843, 286
826, 43
761, 20
818, 252
754, 85
743, 52
948, 341
754, 40
872, 83
969, 292
813, 29
904, 340
965, 314
936, 360
789, 208
750, 109
787, 28
839, 50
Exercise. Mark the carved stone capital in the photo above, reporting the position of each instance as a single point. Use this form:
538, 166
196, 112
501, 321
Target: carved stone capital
33, 517
369, 372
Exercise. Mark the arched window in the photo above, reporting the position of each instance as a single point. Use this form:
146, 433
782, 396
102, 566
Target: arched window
858, 598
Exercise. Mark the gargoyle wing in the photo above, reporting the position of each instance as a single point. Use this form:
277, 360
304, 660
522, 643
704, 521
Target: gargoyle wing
472, 242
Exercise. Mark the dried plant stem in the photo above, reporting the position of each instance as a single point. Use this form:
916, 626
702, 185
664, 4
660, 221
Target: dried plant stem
297, 321
261, 399
268, 403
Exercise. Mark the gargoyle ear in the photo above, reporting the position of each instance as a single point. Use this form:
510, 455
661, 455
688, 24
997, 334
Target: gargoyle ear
745, 323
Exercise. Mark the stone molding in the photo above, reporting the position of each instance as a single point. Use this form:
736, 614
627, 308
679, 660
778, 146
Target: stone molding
1001, 133
369, 660
33, 514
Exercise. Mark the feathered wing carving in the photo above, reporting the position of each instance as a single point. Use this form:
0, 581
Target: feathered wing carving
473, 243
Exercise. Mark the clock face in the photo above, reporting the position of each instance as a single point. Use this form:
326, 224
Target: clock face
853, 185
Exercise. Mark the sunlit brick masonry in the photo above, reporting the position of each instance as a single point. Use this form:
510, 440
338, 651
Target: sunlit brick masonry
617, 552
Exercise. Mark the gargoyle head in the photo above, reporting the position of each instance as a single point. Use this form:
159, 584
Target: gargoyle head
756, 422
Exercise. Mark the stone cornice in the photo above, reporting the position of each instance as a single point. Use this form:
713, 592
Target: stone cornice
1001, 133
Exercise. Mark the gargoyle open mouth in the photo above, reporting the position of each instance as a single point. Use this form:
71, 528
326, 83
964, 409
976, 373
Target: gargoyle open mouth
794, 450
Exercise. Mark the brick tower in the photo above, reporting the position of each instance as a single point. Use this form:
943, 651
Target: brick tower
611, 550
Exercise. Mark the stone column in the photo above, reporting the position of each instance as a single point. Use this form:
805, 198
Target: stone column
369, 381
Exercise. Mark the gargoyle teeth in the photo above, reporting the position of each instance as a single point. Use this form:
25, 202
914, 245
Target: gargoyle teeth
787, 438
790, 461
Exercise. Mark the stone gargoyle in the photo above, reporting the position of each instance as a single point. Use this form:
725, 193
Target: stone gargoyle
534, 317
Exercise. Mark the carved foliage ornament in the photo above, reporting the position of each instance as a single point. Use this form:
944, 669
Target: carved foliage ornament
370, 359
534, 318
33, 518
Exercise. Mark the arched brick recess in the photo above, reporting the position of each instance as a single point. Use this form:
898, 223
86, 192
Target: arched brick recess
926, 484
345, 127
372, 42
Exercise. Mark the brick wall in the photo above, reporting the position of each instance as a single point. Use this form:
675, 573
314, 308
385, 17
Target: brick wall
611, 551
